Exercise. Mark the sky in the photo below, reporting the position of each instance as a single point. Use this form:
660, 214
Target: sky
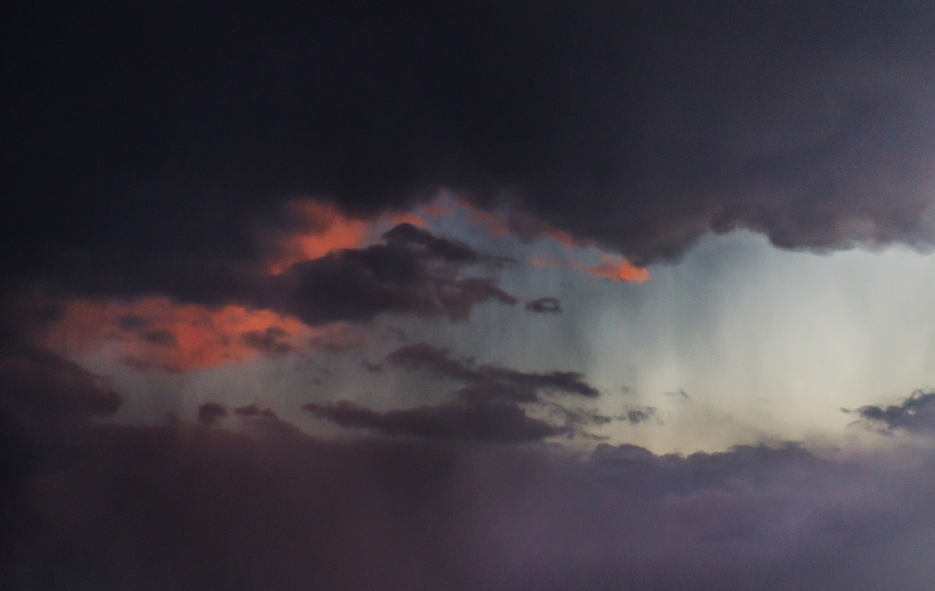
486, 295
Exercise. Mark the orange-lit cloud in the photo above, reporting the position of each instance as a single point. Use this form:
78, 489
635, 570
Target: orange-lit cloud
564, 237
320, 229
156, 332
314, 228
617, 269
611, 267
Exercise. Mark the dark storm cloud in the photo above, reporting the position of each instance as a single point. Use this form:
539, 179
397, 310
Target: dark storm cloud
497, 422
190, 507
914, 414
490, 382
142, 141
547, 305
413, 273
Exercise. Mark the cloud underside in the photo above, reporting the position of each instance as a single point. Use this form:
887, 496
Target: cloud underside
814, 123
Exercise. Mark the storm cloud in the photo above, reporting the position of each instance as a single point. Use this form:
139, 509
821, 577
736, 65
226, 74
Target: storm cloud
413, 273
154, 136
211, 212
208, 508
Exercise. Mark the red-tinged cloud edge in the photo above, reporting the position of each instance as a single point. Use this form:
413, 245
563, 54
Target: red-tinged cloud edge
306, 228
526, 227
158, 332
612, 268
319, 271
327, 272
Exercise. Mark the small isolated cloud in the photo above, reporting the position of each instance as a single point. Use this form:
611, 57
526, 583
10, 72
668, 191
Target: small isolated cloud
547, 305
639, 414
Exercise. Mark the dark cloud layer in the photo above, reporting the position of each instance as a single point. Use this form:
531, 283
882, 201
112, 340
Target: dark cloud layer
107, 507
487, 408
497, 422
192, 507
143, 140
490, 382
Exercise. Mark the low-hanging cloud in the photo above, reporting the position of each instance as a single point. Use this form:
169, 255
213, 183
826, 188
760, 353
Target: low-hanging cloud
210, 508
